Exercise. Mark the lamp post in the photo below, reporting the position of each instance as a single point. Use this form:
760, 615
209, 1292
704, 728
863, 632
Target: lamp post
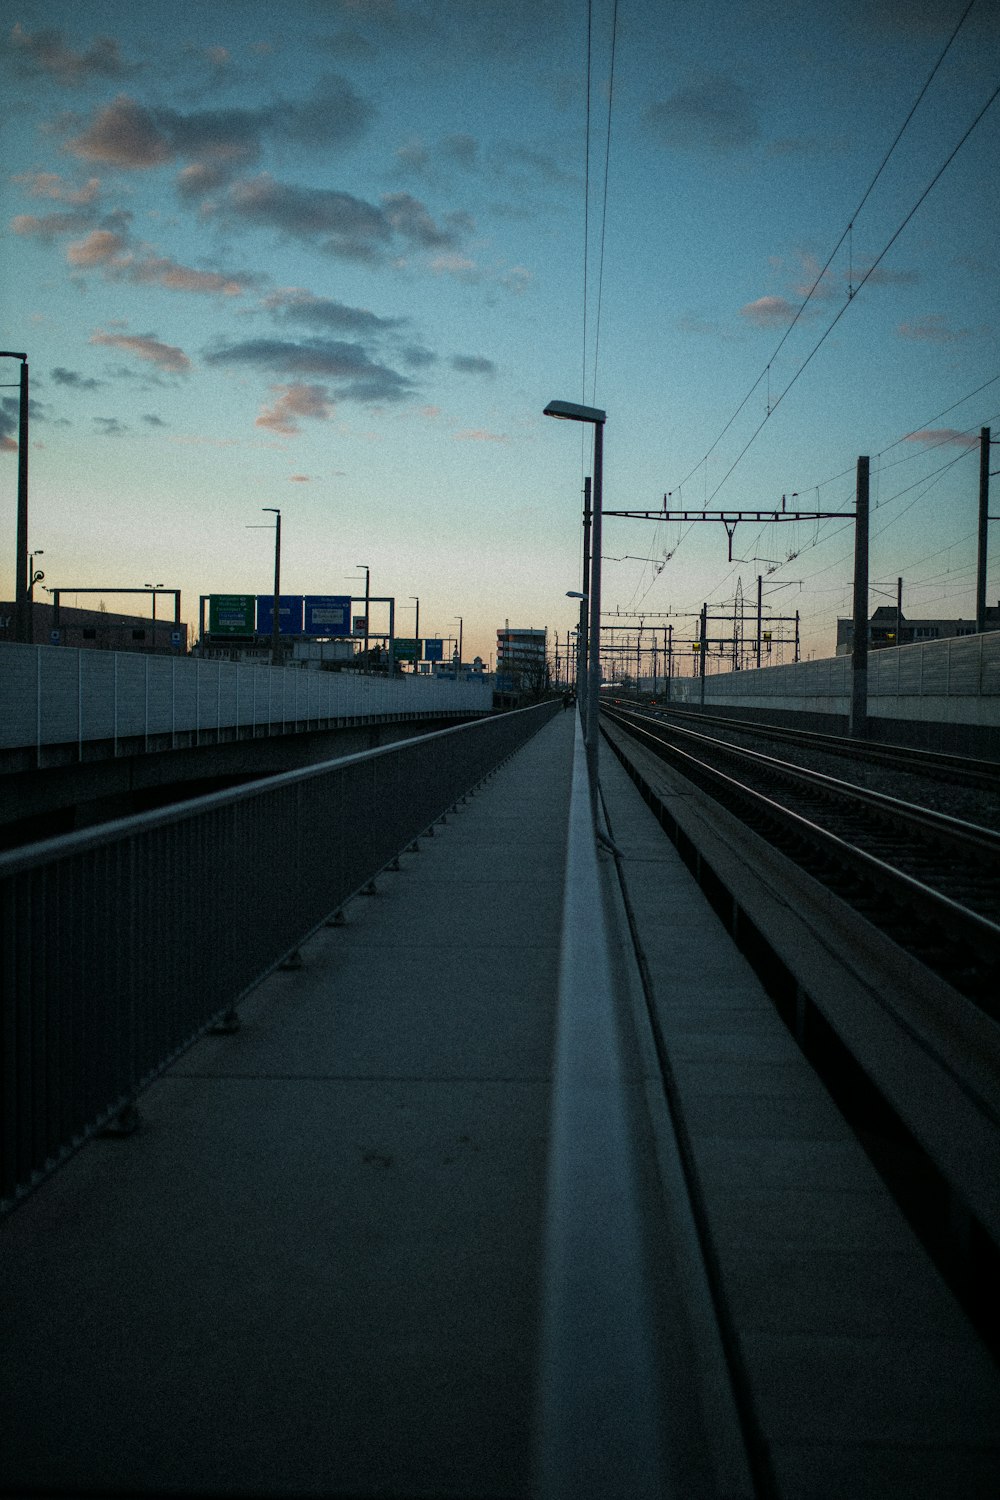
276, 622
367, 601
581, 647
459, 668
570, 411
416, 632
22, 565
154, 587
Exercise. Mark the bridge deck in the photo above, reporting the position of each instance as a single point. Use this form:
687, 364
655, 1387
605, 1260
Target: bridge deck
316, 1268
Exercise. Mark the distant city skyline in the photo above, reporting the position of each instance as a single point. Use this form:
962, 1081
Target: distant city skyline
337, 260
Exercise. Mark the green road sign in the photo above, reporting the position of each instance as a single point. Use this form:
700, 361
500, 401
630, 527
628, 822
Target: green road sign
407, 649
230, 614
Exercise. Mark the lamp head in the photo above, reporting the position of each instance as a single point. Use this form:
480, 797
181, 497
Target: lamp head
571, 411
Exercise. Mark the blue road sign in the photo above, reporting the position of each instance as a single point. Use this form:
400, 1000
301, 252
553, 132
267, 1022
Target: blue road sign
327, 614
289, 614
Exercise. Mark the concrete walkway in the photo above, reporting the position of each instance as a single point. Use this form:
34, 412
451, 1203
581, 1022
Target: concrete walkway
315, 1269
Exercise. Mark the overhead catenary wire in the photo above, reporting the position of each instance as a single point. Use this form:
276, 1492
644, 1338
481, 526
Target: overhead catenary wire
771, 407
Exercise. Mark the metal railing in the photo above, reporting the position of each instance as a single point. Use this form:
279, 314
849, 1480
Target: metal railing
122, 944
598, 1420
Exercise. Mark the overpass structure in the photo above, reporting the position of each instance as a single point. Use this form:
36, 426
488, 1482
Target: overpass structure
374, 1131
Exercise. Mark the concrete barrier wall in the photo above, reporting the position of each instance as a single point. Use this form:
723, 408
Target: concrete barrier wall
52, 695
955, 680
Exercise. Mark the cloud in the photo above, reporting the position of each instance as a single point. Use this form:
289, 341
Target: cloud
342, 224
296, 305
146, 346
365, 381
123, 134
110, 427
766, 312
46, 52
51, 185
73, 381
152, 420
300, 478
411, 219
111, 252
477, 435
49, 227
711, 113
295, 401
932, 329
126, 134
472, 364
459, 266
944, 436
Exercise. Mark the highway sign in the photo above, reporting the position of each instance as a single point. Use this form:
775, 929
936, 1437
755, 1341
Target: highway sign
230, 614
327, 614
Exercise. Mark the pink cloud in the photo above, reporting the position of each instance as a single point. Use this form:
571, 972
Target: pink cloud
110, 251
932, 329
295, 401
51, 185
767, 311
145, 346
477, 435
943, 435
123, 134
99, 247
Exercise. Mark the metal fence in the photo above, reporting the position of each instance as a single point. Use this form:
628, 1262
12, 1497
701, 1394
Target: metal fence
122, 944
52, 695
959, 668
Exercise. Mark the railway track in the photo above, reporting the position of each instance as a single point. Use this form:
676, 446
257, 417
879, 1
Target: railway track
874, 925
930, 880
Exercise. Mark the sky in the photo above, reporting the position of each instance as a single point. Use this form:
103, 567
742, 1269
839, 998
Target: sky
336, 256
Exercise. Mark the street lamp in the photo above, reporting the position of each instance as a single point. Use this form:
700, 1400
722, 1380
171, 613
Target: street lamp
23, 630
367, 602
416, 632
581, 647
459, 619
154, 587
571, 411
276, 622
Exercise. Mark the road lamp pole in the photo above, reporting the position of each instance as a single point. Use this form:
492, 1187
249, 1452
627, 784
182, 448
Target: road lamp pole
22, 565
367, 602
459, 668
154, 587
276, 621
570, 411
416, 632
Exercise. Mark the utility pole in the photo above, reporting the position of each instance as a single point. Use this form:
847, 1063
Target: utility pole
760, 611
670, 657
703, 652
22, 603
858, 726
984, 506
276, 622
899, 612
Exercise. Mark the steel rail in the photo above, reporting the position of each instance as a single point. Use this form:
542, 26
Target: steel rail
942, 824
960, 769
980, 931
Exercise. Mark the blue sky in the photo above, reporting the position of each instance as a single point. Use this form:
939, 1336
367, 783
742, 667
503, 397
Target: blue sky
336, 258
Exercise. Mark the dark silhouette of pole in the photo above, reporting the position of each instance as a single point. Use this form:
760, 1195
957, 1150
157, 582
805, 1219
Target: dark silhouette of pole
276, 622
859, 647
22, 603
984, 506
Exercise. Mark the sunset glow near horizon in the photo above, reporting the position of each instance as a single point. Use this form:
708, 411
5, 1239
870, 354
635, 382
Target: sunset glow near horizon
337, 258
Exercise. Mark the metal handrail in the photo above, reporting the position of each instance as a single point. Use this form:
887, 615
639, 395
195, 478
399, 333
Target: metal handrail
598, 1419
122, 944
